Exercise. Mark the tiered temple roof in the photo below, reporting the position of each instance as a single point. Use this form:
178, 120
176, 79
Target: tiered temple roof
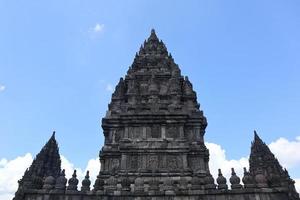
46, 163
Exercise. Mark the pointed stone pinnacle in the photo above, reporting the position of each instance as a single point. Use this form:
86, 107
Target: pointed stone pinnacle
255, 135
153, 36
257, 138
152, 31
53, 135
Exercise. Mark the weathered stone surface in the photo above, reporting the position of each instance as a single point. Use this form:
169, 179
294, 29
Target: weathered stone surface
46, 164
267, 170
154, 146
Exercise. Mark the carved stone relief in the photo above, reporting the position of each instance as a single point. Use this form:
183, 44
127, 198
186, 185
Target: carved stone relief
155, 131
115, 163
152, 162
172, 131
172, 163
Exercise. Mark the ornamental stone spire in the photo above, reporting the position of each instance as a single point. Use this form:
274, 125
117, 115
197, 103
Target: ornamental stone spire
46, 163
263, 163
262, 159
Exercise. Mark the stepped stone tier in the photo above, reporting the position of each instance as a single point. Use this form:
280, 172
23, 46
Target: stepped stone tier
154, 147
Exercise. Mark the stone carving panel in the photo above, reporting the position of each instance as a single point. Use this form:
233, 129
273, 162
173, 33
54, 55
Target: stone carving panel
135, 132
194, 163
172, 132
189, 134
115, 163
172, 162
155, 131
152, 162
133, 162
118, 135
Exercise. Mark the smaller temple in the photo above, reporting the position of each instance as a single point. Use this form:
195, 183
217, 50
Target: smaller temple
267, 170
46, 163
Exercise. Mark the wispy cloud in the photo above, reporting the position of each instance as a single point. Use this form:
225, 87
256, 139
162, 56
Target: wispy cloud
109, 87
106, 85
2, 88
96, 30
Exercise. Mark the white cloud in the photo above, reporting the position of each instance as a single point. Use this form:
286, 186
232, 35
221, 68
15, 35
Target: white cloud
12, 170
2, 88
93, 166
95, 31
297, 184
98, 28
218, 160
287, 152
109, 87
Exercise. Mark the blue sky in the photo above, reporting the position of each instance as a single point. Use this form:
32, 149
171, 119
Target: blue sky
59, 61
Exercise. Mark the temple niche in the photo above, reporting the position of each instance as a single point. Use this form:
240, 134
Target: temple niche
154, 147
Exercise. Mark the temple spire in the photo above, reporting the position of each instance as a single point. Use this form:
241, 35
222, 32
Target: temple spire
46, 163
263, 161
53, 135
261, 157
256, 137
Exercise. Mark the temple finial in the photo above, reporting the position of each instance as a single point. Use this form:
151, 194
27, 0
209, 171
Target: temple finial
53, 134
153, 36
256, 137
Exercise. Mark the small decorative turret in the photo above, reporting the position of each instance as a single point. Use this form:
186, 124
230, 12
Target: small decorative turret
209, 182
86, 182
61, 181
235, 180
188, 88
73, 182
222, 182
248, 179
119, 90
49, 183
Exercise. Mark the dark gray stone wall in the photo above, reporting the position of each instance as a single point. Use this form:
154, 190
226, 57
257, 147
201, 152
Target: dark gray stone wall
212, 195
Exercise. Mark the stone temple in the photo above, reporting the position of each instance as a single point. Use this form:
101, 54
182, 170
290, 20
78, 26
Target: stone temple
154, 147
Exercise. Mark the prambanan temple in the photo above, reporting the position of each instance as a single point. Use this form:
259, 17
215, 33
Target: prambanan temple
154, 147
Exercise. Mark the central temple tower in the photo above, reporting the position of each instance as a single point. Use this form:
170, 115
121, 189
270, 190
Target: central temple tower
153, 126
